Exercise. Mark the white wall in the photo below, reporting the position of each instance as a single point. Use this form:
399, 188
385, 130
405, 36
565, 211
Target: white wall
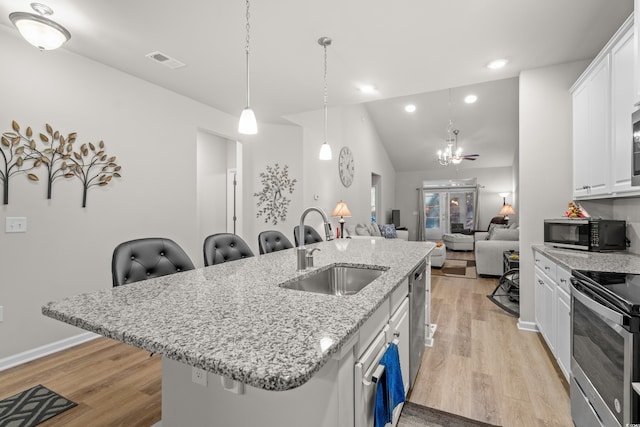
545, 164
67, 249
491, 180
347, 126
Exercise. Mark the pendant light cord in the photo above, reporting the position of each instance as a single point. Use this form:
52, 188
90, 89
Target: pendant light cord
325, 92
248, 39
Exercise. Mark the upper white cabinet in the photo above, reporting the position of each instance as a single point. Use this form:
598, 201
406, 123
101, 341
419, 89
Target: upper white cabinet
602, 107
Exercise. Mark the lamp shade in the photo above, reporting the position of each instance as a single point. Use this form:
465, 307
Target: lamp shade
325, 152
341, 210
507, 209
248, 124
41, 32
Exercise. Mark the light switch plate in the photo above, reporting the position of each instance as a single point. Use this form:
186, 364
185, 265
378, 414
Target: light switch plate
199, 376
16, 224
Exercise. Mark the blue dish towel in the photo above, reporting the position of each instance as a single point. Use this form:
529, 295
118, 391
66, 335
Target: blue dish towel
390, 388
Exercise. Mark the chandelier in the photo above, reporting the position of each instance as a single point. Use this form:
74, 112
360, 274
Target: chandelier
452, 154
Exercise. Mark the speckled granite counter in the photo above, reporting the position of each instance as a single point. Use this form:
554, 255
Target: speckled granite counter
620, 262
234, 320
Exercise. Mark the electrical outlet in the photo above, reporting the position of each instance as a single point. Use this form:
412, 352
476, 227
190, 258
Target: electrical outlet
199, 376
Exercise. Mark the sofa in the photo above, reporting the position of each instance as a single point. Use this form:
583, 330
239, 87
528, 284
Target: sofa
373, 231
490, 247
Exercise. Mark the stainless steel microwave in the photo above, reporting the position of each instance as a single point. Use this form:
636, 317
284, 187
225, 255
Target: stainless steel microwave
587, 234
635, 155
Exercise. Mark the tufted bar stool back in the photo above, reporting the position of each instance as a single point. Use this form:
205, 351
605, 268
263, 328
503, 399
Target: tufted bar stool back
223, 247
310, 235
147, 258
272, 241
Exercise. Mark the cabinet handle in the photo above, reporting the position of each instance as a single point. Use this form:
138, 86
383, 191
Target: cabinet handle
563, 280
540, 282
396, 334
546, 267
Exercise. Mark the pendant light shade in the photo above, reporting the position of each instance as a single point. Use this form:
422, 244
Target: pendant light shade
325, 149
39, 30
248, 124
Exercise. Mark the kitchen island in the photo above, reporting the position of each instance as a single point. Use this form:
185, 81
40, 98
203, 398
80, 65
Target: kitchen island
234, 321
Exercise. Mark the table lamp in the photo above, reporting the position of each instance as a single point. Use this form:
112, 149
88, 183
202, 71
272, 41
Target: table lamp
341, 210
507, 210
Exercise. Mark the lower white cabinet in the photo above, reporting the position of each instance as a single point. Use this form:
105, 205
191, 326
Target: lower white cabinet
553, 309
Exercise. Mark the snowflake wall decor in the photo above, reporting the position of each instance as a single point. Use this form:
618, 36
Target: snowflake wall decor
272, 200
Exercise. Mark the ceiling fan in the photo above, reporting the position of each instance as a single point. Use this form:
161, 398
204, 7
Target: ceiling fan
453, 154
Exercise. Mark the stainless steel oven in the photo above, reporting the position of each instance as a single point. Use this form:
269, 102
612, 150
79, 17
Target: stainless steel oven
605, 338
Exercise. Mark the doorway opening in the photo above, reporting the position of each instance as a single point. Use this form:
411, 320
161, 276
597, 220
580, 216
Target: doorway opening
449, 206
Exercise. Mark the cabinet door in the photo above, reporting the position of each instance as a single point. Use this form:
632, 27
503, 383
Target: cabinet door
580, 140
545, 308
563, 331
599, 124
399, 328
622, 100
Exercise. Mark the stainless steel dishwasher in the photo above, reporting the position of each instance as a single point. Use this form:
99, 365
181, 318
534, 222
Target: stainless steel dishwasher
417, 287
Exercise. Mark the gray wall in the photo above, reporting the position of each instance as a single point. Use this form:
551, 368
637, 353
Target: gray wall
545, 166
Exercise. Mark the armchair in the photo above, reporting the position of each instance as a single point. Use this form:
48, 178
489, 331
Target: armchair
489, 249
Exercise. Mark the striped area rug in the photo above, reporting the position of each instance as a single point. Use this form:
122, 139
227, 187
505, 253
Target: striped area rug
32, 407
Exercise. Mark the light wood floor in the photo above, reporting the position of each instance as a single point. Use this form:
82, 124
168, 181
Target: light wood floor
481, 366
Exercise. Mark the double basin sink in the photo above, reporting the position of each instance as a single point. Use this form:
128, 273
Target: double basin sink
336, 280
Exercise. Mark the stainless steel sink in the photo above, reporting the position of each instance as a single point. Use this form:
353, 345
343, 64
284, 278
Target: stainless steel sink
336, 280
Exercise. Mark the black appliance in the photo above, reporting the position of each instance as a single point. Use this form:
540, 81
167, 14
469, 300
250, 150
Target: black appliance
395, 217
587, 234
605, 348
635, 153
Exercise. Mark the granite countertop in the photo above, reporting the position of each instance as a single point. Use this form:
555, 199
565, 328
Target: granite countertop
234, 320
620, 262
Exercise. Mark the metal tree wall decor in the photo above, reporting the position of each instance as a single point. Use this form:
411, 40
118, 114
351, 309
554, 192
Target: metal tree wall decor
272, 200
90, 164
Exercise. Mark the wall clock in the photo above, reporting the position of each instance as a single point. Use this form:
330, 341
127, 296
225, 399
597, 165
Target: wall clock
346, 166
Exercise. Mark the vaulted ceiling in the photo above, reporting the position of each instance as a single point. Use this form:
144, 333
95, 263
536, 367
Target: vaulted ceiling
408, 48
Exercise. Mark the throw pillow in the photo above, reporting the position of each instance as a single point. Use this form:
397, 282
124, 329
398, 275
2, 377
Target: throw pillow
388, 231
493, 227
374, 229
350, 230
362, 230
505, 234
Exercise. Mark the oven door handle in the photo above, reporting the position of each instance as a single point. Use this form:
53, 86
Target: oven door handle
604, 312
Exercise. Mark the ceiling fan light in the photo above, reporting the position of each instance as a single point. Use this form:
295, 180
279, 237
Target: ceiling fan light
39, 31
248, 124
456, 160
325, 151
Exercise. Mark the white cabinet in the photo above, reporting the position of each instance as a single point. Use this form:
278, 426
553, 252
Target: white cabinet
399, 328
591, 139
622, 100
553, 309
602, 106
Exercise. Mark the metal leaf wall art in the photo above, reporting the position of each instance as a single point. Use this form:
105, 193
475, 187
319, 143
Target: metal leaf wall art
272, 200
90, 164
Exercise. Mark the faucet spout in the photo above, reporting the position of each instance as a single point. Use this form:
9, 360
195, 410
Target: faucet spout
301, 251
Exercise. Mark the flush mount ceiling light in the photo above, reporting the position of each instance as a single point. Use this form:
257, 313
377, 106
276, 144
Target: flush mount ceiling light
39, 30
497, 64
248, 124
325, 149
368, 89
470, 99
410, 108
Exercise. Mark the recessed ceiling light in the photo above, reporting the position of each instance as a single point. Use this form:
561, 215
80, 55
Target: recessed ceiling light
410, 108
470, 99
497, 64
367, 88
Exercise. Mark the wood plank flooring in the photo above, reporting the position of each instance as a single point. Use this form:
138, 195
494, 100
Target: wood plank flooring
481, 366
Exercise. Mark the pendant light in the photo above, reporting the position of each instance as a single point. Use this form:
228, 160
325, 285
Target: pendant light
325, 149
39, 30
248, 124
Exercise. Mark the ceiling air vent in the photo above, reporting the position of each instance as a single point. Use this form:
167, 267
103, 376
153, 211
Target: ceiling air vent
165, 60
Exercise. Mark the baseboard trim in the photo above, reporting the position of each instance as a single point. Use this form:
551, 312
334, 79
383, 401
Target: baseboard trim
45, 350
527, 326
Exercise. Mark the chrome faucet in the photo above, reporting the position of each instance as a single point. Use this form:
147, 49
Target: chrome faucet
301, 252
